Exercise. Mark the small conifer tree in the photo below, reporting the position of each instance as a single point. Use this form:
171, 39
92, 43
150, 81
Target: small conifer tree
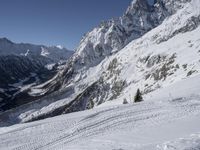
138, 96
125, 101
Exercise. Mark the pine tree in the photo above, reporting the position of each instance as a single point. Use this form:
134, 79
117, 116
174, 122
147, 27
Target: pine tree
125, 101
138, 96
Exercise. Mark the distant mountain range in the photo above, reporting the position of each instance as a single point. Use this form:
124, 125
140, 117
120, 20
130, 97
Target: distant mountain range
24, 65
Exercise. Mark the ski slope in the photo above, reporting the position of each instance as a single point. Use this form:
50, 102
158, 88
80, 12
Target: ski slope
168, 119
165, 55
161, 122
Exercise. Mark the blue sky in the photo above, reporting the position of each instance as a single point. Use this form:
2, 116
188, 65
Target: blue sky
55, 22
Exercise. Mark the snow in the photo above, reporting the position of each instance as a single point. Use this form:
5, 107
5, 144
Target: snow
53, 53
131, 69
50, 66
59, 46
168, 119
155, 124
44, 52
159, 123
25, 54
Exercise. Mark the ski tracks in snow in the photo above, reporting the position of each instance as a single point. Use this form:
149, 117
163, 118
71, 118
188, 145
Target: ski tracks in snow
59, 132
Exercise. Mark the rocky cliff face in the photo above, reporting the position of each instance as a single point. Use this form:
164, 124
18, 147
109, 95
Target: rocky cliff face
150, 46
113, 35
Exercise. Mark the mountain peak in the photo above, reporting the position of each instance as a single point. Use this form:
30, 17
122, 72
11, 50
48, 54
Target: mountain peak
138, 5
4, 39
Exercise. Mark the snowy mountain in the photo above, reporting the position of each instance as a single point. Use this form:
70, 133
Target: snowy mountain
150, 47
154, 47
158, 123
52, 53
25, 65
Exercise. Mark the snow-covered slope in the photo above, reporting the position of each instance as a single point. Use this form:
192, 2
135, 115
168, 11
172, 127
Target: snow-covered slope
158, 123
157, 50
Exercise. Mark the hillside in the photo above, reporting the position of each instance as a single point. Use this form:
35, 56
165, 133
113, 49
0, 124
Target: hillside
166, 54
24, 65
159, 123
153, 47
